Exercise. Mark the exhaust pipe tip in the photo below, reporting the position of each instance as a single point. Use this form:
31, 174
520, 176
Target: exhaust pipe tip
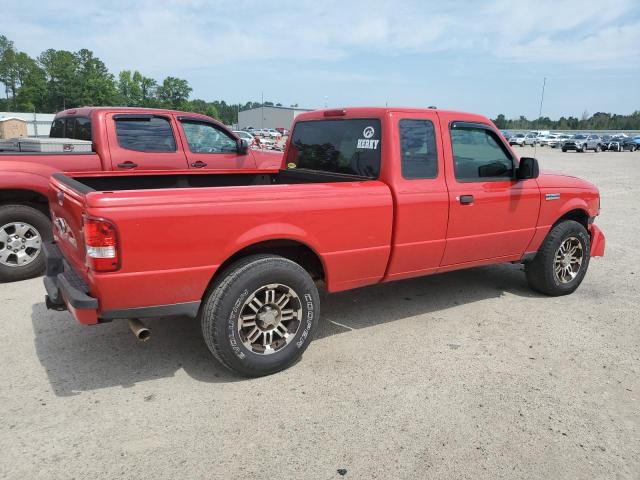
138, 328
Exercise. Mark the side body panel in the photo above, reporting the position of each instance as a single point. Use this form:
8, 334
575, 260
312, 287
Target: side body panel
172, 241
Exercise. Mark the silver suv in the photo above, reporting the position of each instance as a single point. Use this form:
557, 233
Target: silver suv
582, 142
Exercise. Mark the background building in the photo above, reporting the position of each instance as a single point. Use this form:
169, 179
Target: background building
269, 117
38, 124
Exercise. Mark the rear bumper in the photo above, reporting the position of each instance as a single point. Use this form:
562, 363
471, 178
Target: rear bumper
66, 290
597, 241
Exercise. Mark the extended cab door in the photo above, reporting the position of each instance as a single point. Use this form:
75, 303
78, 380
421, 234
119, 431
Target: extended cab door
143, 142
415, 167
491, 214
209, 146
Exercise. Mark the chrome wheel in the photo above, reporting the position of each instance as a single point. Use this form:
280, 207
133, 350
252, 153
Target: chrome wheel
270, 318
568, 260
20, 244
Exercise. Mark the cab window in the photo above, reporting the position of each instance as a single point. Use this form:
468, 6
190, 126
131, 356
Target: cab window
206, 138
143, 133
478, 154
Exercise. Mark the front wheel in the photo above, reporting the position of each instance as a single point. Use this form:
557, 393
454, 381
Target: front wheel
23, 230
562, 261
260, 316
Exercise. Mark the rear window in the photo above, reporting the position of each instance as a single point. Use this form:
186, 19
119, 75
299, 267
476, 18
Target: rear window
145, 134
349, 147
78, 128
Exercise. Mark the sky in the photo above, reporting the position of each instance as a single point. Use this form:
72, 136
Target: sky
482, 56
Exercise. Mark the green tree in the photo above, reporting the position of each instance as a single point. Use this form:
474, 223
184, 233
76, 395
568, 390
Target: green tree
173, 92
60, 67
94, 84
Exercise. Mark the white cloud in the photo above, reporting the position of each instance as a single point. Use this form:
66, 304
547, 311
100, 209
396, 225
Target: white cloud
157, 36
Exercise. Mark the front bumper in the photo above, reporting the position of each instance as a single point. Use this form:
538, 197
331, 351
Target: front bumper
66, 290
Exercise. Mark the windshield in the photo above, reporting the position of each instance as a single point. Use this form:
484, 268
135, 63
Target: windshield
337, 146
579, 137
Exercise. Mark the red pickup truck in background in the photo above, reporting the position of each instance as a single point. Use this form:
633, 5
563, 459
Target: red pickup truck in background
366, 195
123, 139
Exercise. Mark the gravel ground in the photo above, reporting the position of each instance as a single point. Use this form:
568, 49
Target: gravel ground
463, 375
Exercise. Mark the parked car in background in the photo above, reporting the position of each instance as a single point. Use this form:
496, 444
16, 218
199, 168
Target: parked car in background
559, 139
621, 144
245, 136
545, 138
516, 139
636, 140
283, 131
604, 141
273, 133
582, 142
530, 139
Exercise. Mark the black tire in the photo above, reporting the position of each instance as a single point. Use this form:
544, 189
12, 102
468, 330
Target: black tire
564, 150
41, 223
540, 271
224, 303
598, 149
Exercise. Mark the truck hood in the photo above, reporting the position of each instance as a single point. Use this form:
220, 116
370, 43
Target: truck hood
549, 179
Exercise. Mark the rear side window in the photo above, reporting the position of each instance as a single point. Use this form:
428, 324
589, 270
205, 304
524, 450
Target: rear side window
349, 147
479, 155
418, 149
145, 134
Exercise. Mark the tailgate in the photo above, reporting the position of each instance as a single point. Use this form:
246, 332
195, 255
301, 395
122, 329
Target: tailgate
67, 209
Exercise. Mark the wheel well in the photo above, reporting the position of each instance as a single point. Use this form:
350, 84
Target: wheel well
25, 197
294, 251
577, 215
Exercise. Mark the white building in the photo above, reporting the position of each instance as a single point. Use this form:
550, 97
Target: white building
269, 117
38, 124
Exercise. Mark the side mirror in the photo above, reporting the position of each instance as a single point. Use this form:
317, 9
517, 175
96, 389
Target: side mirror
527, 169
243, 146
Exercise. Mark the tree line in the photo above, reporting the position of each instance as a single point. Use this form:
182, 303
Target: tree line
597, 121
59, 79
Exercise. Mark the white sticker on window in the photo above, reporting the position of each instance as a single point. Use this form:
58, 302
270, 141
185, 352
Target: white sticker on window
368, 144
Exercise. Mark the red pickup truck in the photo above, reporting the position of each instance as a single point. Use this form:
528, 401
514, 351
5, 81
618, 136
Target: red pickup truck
365, 195
122, 139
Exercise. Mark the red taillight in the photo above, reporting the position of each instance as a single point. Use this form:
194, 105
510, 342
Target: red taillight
101, 242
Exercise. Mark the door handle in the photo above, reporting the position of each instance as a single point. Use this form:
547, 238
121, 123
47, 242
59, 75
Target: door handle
198, 164
466, 199
127, 165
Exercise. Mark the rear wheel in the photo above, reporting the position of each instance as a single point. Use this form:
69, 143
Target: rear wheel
260, 316
23, 230
561, 263
598, 148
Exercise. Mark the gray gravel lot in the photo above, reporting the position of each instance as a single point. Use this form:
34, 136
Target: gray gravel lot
463, 375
